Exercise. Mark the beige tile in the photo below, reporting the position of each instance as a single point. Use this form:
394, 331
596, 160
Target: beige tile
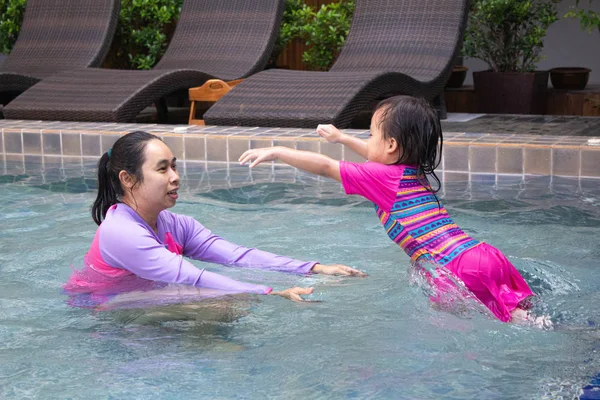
14, 164
90, 145
216, 149
483, 178
351, 156
285, 143
51, 162
565, 161
90, 161
482, 159
195, 147
237, 147
537, 160
71, 144
33, 164
331, 150
590, 163
12, 142
509, 160
455, 177
308, 145
257, 143
51, 143
70, 161
32, 143
107, 142
175, 143
456, 158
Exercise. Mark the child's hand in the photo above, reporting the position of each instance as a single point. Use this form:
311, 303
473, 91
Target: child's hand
258, 155
337, 269
329, 133
294, 293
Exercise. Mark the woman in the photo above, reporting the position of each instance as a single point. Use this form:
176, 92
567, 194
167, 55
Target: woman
139, 245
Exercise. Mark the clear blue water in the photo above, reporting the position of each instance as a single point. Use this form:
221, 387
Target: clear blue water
377, 337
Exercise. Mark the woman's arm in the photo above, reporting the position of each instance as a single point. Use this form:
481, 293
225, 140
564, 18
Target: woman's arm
202, 244
138, 251
334, 135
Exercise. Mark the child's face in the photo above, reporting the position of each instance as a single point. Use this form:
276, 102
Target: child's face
380, 149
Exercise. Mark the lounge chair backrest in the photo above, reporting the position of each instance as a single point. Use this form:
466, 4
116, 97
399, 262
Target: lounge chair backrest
225, 38
415, 37
63, 34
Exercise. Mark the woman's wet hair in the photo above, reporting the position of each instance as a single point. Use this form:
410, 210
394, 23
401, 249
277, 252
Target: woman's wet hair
127, 154
415, 126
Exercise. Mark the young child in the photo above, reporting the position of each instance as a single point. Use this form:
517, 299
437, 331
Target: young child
404, 148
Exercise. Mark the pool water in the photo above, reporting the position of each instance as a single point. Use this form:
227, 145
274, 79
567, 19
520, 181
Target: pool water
377, 337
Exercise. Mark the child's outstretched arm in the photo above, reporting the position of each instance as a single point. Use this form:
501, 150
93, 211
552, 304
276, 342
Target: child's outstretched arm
305, 160
334, 135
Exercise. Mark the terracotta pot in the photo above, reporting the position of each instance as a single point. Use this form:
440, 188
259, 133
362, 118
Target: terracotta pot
458, 76
569, 78
511, 92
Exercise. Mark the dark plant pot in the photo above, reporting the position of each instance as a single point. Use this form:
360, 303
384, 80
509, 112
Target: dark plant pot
569, 78
459, 74
511, 92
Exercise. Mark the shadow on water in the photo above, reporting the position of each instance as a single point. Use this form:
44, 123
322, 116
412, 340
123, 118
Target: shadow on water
5, 179
69, 185
283, 193
517, 212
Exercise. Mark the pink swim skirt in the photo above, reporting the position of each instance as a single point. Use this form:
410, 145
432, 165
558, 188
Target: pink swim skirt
488, 274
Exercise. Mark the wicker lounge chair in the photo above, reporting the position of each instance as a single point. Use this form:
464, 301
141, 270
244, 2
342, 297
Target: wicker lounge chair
226, 39
394, 47
57, 35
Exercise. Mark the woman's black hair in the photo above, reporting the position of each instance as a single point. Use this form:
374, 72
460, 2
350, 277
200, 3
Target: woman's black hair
415, 126
127, 154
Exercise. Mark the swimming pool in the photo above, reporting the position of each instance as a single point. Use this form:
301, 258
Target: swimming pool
367, 338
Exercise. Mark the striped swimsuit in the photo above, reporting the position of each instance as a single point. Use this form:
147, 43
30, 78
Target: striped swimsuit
420, 224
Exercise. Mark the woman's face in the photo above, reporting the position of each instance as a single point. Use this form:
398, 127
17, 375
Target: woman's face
158, 189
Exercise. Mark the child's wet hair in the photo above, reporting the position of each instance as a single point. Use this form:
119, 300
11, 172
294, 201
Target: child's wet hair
127, 154
415, 126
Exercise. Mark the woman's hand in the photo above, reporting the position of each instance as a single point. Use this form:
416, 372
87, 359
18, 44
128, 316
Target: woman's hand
294, 293
330, 133
258, 156
337, 269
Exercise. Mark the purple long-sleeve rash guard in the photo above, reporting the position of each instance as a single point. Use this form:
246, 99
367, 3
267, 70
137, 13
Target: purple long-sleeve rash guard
125, 241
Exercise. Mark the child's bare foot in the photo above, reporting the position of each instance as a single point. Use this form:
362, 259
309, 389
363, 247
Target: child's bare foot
520, 316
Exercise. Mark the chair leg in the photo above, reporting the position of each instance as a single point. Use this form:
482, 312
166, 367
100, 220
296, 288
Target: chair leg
162, 110
440, 106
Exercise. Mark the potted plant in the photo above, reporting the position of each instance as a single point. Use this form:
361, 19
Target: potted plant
576, 78
459, 74
509, 36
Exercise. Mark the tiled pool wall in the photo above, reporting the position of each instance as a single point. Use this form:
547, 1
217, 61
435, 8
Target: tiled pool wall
27, 146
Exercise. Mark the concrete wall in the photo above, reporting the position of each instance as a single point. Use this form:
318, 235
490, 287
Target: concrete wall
566, 45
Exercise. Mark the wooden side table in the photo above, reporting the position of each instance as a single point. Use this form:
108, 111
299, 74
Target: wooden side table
211, 91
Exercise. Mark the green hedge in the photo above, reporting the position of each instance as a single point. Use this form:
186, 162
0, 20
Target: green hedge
144, 30
11, 16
